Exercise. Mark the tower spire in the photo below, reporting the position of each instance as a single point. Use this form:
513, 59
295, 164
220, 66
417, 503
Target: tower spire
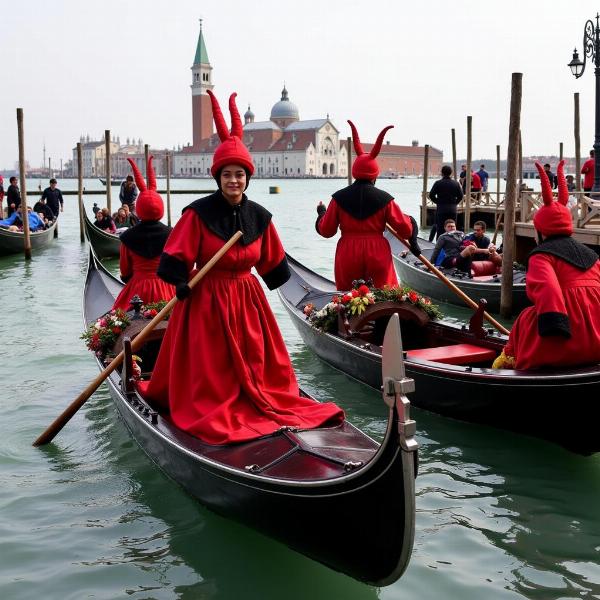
202, 122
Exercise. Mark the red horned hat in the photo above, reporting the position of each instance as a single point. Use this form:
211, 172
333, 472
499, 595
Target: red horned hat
149, 205
232, 149
365, 166
554, 218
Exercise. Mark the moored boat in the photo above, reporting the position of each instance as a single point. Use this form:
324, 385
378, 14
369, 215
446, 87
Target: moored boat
412, 272
12, 242
451, 366
105, 245
113, 182
332, 493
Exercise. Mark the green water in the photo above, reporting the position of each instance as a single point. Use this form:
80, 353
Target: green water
498, 515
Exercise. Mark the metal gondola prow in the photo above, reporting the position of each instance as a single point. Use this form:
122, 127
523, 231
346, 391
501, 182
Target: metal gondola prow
396, 385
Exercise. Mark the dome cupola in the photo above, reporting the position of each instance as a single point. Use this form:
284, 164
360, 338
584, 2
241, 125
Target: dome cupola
284, 112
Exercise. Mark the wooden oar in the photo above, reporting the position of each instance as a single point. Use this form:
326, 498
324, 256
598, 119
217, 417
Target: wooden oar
453, 287
50, 433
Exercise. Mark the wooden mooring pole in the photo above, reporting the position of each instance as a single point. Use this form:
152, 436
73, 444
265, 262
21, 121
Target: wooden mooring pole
107, 169
498, 213
424, 192
577, 144
510, 197
146, 155
454, 154
168, 173
80, 191
24, 215
467, 213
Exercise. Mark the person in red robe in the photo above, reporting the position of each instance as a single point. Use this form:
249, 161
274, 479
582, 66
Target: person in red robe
142, 246
223, 369
562, 328
361, 212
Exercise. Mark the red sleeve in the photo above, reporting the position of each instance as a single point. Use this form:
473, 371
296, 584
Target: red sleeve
125, 263
185, 239
398, 220
543, 287
585, 167
272, 265
476, 181
328, 225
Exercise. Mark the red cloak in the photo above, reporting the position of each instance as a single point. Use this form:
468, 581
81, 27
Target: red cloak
141, 277
223, 368
362, 252
565, 294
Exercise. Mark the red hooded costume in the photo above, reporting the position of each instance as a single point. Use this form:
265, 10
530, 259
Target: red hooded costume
562, 328
142, 246
361, 211
223, 368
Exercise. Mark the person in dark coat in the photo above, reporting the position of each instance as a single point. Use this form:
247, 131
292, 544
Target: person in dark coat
361, 212
128, 193
54, 198
41, 207
445, 193
13, 196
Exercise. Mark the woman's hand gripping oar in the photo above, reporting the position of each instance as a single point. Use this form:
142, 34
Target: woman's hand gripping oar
49, 434
453, 287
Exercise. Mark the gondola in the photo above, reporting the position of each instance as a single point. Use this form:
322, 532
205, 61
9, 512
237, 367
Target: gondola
332, 494
451, 366
105, 245
113, 182
413, 273
12, 242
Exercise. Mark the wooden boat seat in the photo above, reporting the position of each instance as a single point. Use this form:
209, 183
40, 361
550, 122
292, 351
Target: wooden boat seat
455, 354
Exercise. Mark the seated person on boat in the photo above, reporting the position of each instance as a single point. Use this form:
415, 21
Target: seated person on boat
104, 221
122, 220
43, 211
15, 223
484, 249
361, 211
142, 246
223, 369
451, 250
562, 328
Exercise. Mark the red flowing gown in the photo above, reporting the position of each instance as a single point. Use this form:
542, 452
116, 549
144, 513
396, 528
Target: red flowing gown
554, 286
362, 252
144, 281
223, 368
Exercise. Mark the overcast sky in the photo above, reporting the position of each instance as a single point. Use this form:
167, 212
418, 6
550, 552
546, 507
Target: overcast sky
78, 68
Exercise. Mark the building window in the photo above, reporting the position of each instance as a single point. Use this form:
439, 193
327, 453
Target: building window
331, 169
324, 169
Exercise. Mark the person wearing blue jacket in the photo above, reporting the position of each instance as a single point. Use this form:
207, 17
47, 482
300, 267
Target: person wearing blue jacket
15, 221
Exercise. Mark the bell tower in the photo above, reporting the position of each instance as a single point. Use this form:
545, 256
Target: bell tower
202, 122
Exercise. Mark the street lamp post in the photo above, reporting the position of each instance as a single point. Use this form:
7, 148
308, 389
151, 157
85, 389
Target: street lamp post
591, 50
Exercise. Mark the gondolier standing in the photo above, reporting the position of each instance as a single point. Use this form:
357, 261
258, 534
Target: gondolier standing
142, 246
223, 368
54, 198
361, 212
446, 194
562, 328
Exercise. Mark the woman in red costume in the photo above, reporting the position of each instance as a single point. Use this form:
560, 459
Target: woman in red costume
142, 246
562, 328
361, 211
223, 368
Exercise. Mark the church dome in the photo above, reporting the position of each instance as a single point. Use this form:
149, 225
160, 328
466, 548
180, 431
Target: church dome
284, 109
249, 116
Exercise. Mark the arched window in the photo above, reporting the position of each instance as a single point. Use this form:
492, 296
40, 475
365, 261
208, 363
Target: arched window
331, 169
324, 168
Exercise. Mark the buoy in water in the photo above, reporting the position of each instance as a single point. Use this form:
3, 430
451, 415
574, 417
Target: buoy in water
274, 189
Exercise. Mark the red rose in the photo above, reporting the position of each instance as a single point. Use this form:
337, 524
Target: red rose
363, 290
116, 330
336, 299
355, 294
346, 298
413, 296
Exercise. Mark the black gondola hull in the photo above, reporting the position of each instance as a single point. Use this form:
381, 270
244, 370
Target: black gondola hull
533, 403
105, 245
12, 242
361, 523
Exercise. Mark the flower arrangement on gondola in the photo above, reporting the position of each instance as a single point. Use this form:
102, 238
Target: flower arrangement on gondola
150, 310
102, 334
356, 301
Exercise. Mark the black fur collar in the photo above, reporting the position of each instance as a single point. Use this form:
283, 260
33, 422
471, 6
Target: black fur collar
224, 220
147, 238
362, 199
566, 248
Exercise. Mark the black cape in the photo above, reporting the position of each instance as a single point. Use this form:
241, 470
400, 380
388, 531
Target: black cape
362, 199
566, 248
147, 238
